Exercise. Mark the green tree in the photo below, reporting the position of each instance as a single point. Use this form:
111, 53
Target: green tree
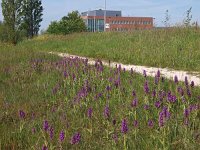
32, 17
68, 24
11, 10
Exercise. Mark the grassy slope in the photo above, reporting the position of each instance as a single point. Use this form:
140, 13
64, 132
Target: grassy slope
174, 48
30, 90
22, 87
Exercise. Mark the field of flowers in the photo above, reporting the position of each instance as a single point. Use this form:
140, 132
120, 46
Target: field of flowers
52, 103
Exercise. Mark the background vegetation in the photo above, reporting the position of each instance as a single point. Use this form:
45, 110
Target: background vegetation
176, 48
68, 24
22, 19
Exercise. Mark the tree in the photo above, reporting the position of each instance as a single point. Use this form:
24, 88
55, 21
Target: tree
68, 24
11, 10
32, 16
188, 18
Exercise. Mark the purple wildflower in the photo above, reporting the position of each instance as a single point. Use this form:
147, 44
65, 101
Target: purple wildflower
158, 73
163, 116
51, 132
124, 126
186, 113
119, 68
166, 112
22, 114
75, 138
33, 130
183, 99
45, 125
65, 74
171, 98
176, 79
133, 93
181, 91
114, 122
124, 69
186, 121
117, 83
150, 123
62, 136
192, 84
189, 92
134, 103
115, 137
89, 113
74, 76
156, 80
131, 71
108, 88
106, 112
146, 107
186, 81
157, 104
144, 73
44, 147
135, 123
161, 119
146, 87
154, 93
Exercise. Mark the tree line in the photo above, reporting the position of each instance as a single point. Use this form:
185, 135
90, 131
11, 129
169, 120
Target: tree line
22, 18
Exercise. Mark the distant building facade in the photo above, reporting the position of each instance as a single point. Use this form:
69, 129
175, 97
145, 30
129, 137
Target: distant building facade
94, 21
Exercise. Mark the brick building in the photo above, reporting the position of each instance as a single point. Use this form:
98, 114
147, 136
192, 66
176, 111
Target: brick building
94, 21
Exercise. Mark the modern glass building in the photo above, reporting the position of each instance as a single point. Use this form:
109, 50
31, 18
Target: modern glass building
95, 25
94, 21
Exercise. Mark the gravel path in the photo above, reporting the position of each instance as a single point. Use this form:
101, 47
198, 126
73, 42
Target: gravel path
151, 71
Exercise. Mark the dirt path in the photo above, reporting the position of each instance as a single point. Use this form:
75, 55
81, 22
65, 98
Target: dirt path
151, 71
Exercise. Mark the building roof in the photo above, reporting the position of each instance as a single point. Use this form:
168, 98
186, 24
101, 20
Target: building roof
100, 12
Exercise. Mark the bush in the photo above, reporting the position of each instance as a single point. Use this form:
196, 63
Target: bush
68, 24
6, 34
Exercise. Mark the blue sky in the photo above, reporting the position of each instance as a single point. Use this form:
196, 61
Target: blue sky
56, 9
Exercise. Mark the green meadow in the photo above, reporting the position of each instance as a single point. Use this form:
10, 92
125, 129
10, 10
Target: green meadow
48, 102
175, 48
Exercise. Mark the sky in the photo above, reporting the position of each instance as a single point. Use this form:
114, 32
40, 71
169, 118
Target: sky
56, 9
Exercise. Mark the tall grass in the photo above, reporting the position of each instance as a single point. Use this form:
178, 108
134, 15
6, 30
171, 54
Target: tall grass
177, 48
54, 103
67, 104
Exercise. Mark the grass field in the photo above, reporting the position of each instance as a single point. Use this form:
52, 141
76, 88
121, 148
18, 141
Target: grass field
175, 48
47, 101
